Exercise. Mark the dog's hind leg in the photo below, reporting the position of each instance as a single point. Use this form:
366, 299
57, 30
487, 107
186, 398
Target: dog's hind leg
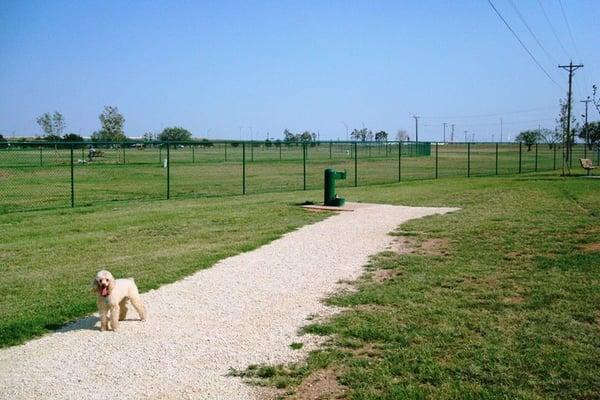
123, 309
139, 306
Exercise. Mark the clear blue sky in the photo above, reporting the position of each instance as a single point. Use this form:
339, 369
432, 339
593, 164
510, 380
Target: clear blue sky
220, 68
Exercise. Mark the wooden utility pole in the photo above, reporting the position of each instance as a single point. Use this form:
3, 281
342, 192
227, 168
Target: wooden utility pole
571, 68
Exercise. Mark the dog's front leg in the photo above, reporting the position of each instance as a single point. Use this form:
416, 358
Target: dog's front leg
103, 316
114, 316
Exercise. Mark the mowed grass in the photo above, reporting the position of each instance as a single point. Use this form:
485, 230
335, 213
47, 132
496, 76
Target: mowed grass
505, 305
49, 258
510, 308
41, 178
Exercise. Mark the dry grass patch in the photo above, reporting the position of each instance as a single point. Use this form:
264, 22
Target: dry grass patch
428, 247
382, 275
320, 385
591, 247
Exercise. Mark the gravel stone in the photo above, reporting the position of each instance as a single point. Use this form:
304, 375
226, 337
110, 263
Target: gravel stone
245, 310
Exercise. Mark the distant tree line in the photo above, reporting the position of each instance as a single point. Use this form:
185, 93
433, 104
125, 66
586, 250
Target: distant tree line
112, 124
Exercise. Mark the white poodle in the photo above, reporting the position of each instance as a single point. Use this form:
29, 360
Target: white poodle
112, 296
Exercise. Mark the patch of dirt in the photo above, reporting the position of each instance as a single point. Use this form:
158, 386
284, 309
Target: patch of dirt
591, 247
320, 385
403, 245
382, 275
429, 247
370, 350
435, 247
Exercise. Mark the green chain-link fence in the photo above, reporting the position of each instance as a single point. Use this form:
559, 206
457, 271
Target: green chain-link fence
38, 175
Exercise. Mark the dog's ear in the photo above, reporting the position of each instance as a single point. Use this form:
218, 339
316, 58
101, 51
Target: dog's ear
94, 288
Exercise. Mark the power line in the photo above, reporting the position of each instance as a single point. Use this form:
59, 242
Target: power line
531, 31
562, 10
494, 114
531, 121
564, 14
552, 28
523, 44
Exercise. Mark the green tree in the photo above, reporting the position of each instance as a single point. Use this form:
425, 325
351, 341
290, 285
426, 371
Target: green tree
112, 122
72, 137
529, 137
551, 136
593, 130
52, 138
175, 134
289, 137
3, 142
381, 136
53, 125
149, 136
305, 137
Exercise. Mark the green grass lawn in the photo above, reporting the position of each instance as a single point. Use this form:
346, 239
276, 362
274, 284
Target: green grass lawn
49, 258
506, 306
41, 178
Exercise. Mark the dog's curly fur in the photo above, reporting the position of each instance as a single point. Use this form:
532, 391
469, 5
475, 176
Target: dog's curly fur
112, 297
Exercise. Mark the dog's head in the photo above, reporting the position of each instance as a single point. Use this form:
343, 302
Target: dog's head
103, 283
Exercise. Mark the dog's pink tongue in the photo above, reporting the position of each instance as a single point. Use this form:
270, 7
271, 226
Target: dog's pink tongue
105, 291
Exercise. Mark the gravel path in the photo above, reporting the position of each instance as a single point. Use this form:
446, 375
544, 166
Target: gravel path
244, 310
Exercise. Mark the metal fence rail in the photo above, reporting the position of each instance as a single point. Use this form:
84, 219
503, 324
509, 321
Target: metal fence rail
40, 175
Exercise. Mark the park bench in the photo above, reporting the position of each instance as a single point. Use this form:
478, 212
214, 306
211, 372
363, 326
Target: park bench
587, 164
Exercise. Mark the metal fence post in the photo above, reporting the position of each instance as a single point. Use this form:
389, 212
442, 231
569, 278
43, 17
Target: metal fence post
304, 165
496, 158
468, 160
355, 164
598, 154
554, 163
436, 160
243, 167
41, 162
72, 180
252, 151
193, 155
160, 153
225, 151
520, 154
280, 145
330, 144
536, 158
399, 160
168, 171
123, 153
